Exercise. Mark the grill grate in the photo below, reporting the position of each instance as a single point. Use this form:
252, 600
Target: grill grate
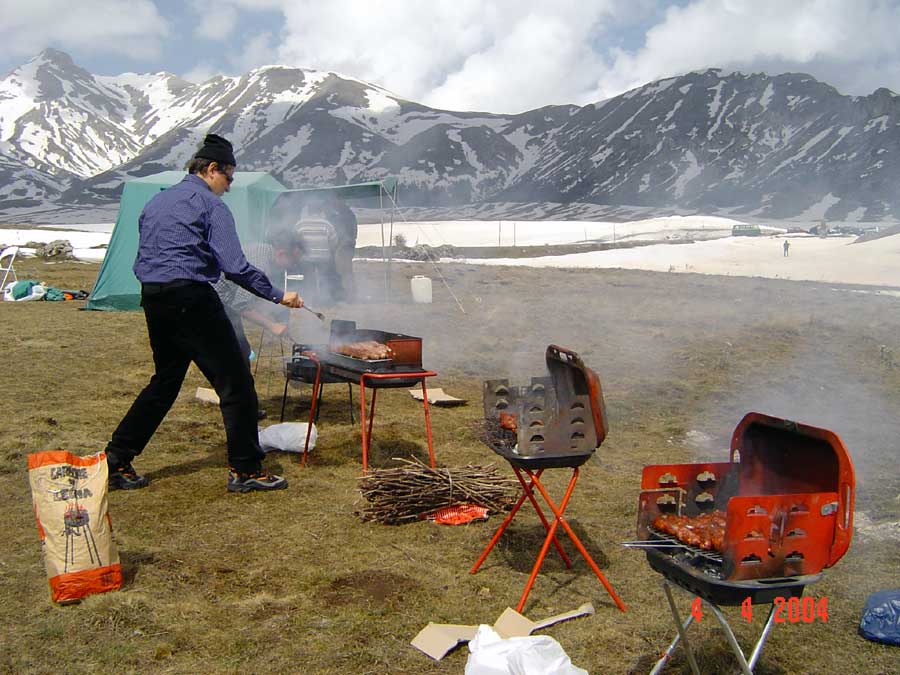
713, 556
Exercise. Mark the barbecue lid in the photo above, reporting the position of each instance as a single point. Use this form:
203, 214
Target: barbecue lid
572, 378
779, 456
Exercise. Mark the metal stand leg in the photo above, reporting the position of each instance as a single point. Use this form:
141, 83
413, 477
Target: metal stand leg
526, 494
313, 409
682, 635
559, 519
746, 667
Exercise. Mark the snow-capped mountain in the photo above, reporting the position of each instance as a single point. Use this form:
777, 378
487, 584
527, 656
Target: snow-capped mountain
786, 146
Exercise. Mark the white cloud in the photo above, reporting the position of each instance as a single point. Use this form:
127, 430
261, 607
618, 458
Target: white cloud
506, 55
217, 22
135, 28
203, 71
847, 43
493, 55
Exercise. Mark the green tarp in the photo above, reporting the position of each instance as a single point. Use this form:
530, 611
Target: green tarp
251, 200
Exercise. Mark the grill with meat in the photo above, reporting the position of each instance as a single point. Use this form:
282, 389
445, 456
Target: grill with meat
761, 525
706, 531
367, 350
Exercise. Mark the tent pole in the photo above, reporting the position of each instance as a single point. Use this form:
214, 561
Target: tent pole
386, 263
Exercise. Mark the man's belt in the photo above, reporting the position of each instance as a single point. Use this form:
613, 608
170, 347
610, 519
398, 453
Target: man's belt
155, 289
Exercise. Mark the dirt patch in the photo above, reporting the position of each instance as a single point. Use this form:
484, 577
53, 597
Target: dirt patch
373, 586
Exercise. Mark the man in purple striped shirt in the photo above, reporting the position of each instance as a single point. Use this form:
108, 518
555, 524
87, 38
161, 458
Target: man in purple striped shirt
187, 241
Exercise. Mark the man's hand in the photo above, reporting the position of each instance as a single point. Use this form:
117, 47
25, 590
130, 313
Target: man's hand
278, 329
292, 300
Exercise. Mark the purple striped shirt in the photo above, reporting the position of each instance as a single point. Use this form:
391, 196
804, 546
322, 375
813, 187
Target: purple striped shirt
187, 232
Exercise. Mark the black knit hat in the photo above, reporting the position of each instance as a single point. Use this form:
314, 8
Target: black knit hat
218, 149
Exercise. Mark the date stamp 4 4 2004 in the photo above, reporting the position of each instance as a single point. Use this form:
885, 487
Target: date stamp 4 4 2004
787, 610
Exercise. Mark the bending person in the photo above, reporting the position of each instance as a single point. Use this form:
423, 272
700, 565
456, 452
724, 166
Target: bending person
187, 240
279, 255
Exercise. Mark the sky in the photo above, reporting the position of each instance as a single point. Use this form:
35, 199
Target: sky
504, 56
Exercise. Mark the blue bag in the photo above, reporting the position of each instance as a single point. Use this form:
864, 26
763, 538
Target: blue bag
881, 618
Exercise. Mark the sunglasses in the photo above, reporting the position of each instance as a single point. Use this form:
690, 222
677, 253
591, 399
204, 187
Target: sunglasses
228, 177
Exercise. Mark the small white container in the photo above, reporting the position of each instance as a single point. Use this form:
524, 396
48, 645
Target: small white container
421, 289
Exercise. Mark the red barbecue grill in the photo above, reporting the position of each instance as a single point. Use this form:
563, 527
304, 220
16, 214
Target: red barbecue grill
787, 498
559, 421
321, 364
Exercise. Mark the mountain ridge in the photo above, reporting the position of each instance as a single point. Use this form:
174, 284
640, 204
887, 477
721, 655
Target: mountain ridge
727, 143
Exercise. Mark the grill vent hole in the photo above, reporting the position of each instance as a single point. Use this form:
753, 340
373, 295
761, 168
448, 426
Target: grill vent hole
537, 438
502, 404
501, 391
757, 511
797, 532
751, 560
536, 423
799, 508
668, 479
577, 405
536, 409
577, 436
793, 556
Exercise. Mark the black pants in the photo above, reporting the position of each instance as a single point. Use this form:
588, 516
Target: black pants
238, 324
187, 322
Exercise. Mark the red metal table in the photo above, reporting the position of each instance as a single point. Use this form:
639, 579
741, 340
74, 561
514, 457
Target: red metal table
375, 381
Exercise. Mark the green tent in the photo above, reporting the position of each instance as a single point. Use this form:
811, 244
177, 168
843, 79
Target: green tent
250, 199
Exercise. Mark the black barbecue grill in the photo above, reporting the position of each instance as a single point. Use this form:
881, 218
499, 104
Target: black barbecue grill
321, 364
559, 421
786, 501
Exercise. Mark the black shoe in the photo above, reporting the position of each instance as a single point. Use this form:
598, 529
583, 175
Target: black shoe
126, 478
258, 481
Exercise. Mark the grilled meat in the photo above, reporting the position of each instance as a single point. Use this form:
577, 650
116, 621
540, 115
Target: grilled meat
368, 350
509, 421
706, 531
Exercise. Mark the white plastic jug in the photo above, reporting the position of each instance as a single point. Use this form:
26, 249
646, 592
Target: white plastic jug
421, 289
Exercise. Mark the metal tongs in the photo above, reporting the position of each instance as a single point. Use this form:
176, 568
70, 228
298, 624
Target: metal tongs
319, 315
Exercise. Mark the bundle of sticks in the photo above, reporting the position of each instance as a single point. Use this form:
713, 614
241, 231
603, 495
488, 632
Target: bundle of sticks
410, 492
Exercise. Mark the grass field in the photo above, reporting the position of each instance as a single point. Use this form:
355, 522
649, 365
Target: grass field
295, 582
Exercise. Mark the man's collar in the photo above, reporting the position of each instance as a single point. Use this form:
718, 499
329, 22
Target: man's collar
196, 180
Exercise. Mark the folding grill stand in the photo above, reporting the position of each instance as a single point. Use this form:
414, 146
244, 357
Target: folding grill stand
746, 666
559, 519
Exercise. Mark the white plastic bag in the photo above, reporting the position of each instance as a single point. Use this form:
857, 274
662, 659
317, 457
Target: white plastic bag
287, 437
489, 654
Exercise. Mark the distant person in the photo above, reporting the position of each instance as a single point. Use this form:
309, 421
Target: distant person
187, 240
280, 254
345, 224
787, 248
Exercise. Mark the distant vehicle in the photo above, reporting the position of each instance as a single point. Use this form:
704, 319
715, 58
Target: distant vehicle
745, 230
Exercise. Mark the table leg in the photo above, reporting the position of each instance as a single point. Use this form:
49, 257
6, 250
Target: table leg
428, 423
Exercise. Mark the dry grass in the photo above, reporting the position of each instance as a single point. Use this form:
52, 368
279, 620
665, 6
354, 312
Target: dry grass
294, 582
